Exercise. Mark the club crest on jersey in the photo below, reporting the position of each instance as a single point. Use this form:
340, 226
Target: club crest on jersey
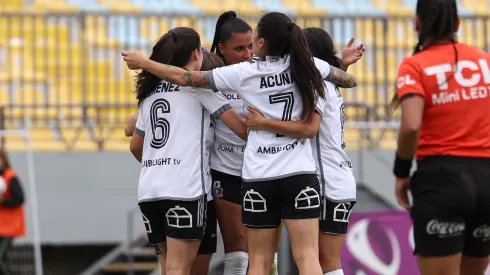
217, 189
273, 58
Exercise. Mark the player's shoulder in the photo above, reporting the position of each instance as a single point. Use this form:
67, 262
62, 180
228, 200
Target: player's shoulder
254, 59
320, 63
413, 64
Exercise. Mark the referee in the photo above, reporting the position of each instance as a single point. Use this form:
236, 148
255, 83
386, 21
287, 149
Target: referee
445, 121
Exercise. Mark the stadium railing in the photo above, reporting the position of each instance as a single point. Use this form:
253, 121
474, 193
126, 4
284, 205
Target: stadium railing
65, 73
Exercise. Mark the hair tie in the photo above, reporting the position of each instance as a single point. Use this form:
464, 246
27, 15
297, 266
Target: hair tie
290, 26
204, 51
174, 35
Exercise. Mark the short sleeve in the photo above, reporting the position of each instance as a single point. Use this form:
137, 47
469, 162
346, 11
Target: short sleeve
409, 80
140, 123
323, 67
215, 103
227, 78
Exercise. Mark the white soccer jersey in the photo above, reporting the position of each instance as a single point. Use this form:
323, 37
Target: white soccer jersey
209, 146
228, 148
334, 169
227, 154
176, 123
267, 86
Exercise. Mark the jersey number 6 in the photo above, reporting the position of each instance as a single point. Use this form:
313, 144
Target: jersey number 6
288, 100
160, 127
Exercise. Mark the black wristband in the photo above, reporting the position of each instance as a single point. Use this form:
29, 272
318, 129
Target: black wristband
402, 167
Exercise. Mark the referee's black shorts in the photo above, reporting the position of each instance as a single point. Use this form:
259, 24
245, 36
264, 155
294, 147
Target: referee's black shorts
451, 206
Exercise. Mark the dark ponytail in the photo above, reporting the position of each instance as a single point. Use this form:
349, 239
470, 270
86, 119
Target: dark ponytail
285, 37
321, 46
174, 48
438, 19
226, 25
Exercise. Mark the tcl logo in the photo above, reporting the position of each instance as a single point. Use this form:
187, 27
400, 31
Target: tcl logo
478, 70
404, 80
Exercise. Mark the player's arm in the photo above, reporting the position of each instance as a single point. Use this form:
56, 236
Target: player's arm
130, 125
351, 54
411, 94
411, 121
138, 138
233, 121
298, 129
335, 75
176, 75
221, 109
136, 146
341, 78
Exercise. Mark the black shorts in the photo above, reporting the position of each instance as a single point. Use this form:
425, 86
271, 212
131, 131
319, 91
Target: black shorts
335, 216
227, 187
209, 240
451, 207
265, 203
182, 220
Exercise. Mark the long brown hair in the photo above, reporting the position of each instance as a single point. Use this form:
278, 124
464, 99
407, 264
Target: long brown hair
174, 48
211, 61
284, 37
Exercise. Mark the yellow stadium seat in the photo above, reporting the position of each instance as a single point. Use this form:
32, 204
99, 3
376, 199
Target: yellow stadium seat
304, 8
11, 5
216, 7
117, 6
309, 22
4, 95
54, 6
96, 33
473, 32
393, 7
152, 28
42, 140
478, 7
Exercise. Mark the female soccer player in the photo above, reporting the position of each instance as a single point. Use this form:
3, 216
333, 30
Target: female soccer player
209, 242
278, 172
233, 43
334, 168
171, 141
443, 93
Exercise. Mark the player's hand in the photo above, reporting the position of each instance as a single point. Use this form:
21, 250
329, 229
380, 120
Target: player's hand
352, 54
134, 60
401, 192
255, 120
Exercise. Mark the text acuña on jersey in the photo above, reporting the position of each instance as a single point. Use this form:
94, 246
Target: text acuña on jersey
470, 87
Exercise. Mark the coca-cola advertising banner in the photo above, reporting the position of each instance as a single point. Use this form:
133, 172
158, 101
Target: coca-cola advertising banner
380, 243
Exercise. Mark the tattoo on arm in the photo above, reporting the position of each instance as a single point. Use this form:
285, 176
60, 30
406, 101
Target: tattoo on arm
198, 79
341, 78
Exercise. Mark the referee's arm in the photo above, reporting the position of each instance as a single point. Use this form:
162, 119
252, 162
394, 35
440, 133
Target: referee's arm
411, 121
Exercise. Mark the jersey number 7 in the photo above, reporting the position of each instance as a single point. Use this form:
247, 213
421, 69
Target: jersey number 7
288, 100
